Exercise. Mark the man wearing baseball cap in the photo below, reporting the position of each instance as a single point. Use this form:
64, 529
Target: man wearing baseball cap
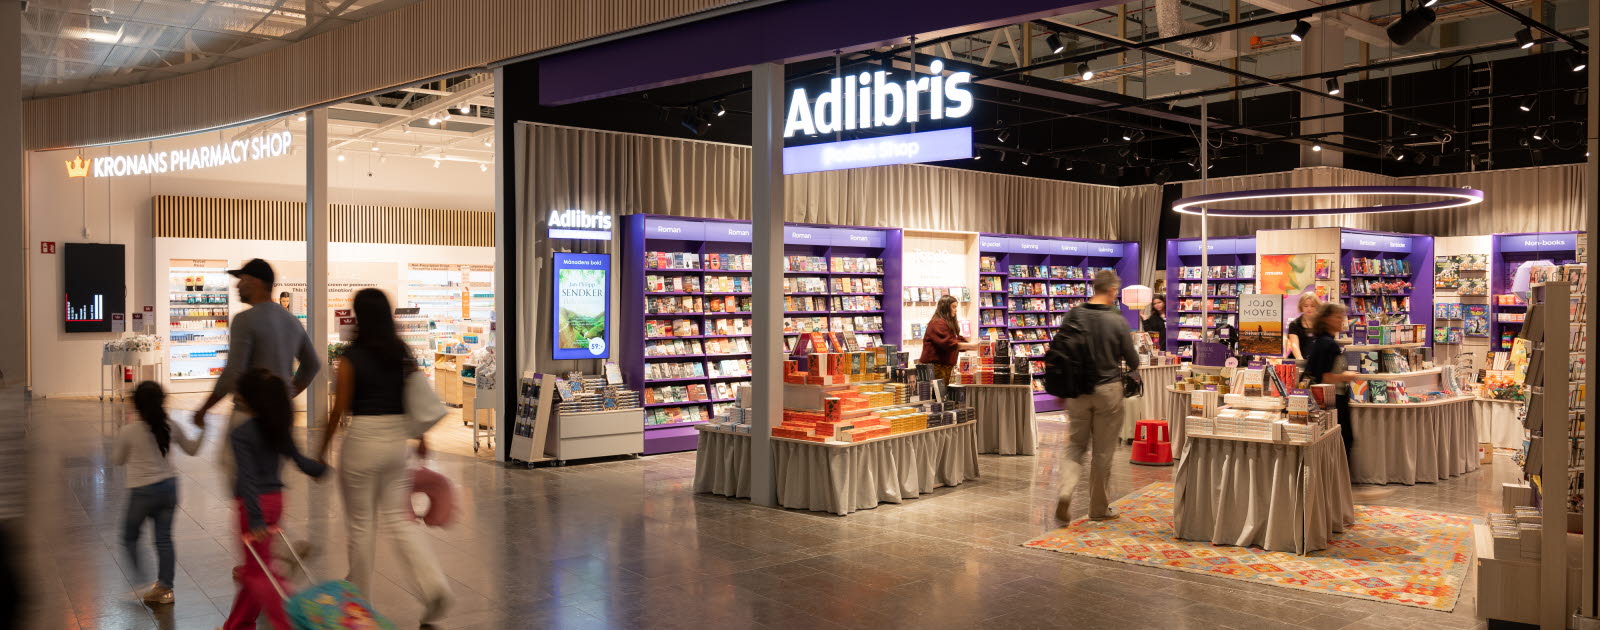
263, 336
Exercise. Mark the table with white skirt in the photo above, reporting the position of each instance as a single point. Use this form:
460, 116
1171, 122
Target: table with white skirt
1006, 423
1150, 404
1413, 442
842, 478
1497, 422
1274, 495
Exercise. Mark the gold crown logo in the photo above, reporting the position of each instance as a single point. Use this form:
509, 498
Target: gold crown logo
79, 167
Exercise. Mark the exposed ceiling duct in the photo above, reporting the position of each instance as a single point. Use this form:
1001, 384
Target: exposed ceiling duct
1169, 21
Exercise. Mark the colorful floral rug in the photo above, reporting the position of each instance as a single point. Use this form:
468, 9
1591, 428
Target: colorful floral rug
1390, 555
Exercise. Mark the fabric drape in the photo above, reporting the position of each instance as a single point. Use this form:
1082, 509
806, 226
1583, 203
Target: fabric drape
1497, 423
1006, 422
1413, 444
1153, 402
841, 480
1280, 497
722, 464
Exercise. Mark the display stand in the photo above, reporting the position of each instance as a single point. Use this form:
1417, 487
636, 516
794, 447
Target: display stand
669, 290
447, 376
585, 435
1362, 289
1019, 304
536, 394
197, 310
118, 361
1219, 497
1183, 293
1460, 283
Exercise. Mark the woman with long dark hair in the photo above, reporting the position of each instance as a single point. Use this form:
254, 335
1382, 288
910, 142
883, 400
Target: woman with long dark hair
942, 340
1326, 365
259, 445
374, 471
143, 447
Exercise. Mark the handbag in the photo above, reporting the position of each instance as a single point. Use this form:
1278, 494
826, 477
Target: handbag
1132, 387
422, 405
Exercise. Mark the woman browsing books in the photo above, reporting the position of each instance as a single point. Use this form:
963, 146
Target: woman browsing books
943, 341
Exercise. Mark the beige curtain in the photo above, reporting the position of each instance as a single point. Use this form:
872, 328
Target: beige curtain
1541, 199
626, 174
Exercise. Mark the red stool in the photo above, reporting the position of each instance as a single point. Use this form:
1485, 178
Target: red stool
1151, 443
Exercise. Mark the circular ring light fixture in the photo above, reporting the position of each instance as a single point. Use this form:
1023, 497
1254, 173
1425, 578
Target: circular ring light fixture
1447, 198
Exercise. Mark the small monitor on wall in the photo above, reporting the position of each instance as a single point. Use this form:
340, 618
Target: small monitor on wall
94, 286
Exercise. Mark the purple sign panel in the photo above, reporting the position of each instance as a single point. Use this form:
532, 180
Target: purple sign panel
1538, 242
1374, 242
910, 148
845, 237
680, 230
806, 235
991, 243
727, 232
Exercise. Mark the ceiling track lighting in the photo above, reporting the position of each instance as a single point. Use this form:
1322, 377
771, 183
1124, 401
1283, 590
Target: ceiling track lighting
436, 162
1411, 130
1316, 146
1539, 133
483, 168
341, 157
1127, 136
446, 115
300, 118
1002, 135
1085, 72
1410, 24
1053, 40
1333, 86
1525, 38
1027, 159
977, 154
464, 108
1301, 29
433, 121
1419, 158
488, 142
1527, 103
719, 109
1577, 61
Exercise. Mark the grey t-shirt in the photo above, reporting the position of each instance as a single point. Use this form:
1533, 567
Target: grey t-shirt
266, 336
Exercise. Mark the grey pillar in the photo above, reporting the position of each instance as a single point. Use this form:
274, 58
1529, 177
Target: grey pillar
766, 213
317, 260
1322, 51
507, 376
13, 213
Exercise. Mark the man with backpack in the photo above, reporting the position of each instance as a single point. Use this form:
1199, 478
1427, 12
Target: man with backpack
1085, 366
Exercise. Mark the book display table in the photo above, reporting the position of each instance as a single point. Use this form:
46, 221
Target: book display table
1274, 495
1407, 443
1173, 406
1006, 421
1152, 404
842, 478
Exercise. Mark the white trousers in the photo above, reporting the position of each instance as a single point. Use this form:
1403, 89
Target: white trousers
376, 480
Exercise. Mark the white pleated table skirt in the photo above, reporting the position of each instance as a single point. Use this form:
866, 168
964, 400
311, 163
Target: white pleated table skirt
1280, 497
1006, 422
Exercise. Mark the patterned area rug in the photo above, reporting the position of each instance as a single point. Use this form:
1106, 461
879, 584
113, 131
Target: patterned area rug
1390, 555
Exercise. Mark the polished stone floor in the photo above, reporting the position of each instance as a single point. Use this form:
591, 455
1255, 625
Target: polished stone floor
625, 544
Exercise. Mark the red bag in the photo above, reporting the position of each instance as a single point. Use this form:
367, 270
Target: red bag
441, 496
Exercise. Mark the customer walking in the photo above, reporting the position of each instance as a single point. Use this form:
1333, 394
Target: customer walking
374, 471
143, 447
260, 444
1096, 418
1326, 365
264, 336
942, 340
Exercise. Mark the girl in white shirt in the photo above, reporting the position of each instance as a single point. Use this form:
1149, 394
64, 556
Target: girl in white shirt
152, 483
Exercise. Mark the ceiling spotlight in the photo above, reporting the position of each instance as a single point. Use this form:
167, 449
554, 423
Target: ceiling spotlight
1138, 136
1002, 156
1054, 42
341, 157
1070, 166
1127, 135
1525, 38
433, 121
406, 129
1399, 156
488, 142
1419, 158
1316, 146
1411, 24
446, 115
1085, 72
695, 124
300, 118
1577, 61
374, 148
1527, 102
1002, 135
977, 154
483, 168
1538, 133
719, 109
464, 108
383, 159
1301, 28
1123, 151
1411, 130
436, 162
1333, 86
1027, 159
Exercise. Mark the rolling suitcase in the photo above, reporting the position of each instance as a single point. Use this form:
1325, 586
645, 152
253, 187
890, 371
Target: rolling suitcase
332, 605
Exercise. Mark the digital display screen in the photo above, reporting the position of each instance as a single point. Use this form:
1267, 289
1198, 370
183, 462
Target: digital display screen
94, 284
582, 305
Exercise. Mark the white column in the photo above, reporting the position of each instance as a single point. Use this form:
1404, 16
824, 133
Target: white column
1323, 50
505, 256
13, 211
317, 260
766, 213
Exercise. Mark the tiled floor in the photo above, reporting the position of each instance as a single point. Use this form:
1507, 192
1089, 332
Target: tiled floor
626, 544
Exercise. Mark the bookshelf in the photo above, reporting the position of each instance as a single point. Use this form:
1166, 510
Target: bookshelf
1026, 284
1183, 293
1508, 252
1386, 278
687, 294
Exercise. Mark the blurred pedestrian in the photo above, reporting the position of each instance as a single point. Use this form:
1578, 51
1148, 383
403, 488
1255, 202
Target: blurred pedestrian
143, 448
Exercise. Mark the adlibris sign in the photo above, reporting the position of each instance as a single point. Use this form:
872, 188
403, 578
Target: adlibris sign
871, 100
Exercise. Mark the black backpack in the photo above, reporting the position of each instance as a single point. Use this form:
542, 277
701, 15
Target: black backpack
1069, 370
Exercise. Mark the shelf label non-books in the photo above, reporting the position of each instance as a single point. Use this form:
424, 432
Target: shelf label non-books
1539, 242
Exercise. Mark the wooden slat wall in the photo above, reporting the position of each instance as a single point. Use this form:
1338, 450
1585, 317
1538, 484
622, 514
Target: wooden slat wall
426, 39
204, 217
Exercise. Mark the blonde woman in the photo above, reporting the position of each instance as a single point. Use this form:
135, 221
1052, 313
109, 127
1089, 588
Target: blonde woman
1301, 332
